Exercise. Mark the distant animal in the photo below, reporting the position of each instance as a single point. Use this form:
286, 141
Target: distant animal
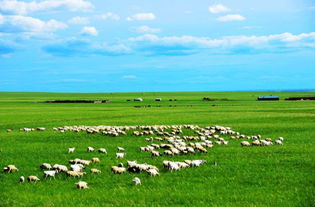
33, 178
136, 181
71, 149
82, 185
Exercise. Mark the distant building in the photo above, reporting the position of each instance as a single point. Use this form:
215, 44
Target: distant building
158, 99
138, 99
268, 98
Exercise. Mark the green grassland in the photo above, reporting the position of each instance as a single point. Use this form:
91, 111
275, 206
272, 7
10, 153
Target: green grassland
252, 176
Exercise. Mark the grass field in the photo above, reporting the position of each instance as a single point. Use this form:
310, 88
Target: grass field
253, 176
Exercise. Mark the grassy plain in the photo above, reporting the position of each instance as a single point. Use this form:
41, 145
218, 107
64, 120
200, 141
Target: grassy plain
253, 176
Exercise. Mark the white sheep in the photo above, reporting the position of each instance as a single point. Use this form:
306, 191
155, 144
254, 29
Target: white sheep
120, 155
279, 142
82, 185
131, 163
173, 166
197, 163
155, 153
102, 150
50, 173
45, 166
265, 142
33, 178
22, 179
77, 167
95, 160
118, 170
60, 168
137, 181
120, 149
71, 150
245, 143
153, 172
90, 149
95, 171
10, 169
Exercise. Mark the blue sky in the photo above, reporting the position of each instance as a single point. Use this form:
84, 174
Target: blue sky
146, 45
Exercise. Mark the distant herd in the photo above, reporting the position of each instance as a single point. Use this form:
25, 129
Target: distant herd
162, 140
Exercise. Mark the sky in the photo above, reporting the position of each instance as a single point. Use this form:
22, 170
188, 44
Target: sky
149, 45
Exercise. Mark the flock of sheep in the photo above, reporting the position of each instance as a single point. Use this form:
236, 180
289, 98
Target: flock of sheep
164, 140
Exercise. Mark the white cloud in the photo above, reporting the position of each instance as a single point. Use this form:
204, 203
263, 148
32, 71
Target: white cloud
79, 20
231, 17
129, 77
29, 25
109, 15
183, 45
218, 8
142, 17
89, 31
147, 29
23, 8
1, 19
77, 47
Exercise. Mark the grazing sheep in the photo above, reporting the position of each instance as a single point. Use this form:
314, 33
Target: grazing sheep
118, 170
90, 149
95, 160
245, 143
81, 185
71, 150
149, 139
75, 174
40, 128
33, 178
10, 169
268, 139
168, 152
102, 150
137, 181
120, 149
188, 162
265, 142
153, 172
120, 155
45, 166
173, 166
279, 142
77, 167
197, 163
85, 162
95, 171
60, 168
155, 153
50, 173
131, 163
22, 179
256, 143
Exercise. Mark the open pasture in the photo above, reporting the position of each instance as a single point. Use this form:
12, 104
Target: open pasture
244, 176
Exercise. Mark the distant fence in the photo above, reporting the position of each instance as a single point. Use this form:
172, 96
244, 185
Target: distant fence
300, 99
78, 101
